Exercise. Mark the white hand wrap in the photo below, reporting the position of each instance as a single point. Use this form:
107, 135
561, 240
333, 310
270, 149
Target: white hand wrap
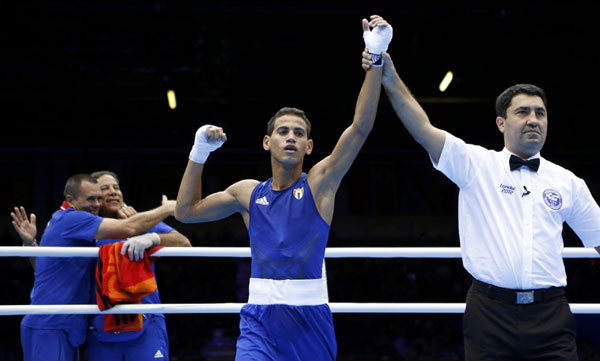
377, 41
135, 246
203, 146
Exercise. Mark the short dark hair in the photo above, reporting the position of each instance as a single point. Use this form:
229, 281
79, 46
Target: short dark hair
288, 111
100, 173
73, 185
505, 98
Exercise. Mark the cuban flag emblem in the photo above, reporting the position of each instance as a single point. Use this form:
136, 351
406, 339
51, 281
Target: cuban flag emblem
298, 193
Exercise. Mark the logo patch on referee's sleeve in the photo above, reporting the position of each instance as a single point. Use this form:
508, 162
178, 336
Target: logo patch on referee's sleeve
553, 199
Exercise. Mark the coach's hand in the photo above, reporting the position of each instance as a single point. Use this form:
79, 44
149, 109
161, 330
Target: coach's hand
135, 246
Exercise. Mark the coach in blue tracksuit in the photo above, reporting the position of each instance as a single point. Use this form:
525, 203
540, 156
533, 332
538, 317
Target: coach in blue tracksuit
152, 342
65, 280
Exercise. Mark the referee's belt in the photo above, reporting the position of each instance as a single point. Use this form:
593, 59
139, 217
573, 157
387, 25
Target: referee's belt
519, 297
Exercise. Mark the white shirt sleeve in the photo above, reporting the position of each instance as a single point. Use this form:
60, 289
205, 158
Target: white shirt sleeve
584, 218
460, 161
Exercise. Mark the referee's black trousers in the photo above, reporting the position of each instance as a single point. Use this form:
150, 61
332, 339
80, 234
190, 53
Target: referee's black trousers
496, 327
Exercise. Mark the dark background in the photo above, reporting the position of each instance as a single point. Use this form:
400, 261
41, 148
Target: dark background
83, 88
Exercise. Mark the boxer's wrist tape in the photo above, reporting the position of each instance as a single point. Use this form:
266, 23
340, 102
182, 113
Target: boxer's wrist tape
377, 60
198, 155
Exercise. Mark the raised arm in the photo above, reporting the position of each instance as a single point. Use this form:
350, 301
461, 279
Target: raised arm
192, 207
411, 114
326, 176
335, 166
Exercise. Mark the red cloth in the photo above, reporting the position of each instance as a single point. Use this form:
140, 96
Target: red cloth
122, 281
64, 206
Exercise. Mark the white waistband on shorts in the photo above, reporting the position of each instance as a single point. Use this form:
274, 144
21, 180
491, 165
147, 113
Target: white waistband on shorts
307, 292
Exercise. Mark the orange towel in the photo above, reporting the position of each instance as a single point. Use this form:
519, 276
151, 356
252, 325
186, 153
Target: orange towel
121, 281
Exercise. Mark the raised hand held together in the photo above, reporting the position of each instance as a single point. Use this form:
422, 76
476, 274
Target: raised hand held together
377, 34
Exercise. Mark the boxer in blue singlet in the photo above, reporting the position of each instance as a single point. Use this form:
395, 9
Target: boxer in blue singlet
288, 216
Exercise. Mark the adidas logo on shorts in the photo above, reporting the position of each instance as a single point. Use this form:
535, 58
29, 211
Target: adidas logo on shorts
159, 354
262, 201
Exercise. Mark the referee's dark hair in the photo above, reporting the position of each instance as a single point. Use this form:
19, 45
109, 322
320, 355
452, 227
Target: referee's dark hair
504, 99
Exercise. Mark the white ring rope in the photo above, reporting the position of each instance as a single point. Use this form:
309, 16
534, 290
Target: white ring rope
333, 252
336, 307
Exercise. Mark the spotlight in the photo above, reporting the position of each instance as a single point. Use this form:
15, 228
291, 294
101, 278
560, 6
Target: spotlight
171, 99
446, 81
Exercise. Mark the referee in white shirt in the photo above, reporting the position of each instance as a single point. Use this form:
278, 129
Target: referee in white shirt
512, 205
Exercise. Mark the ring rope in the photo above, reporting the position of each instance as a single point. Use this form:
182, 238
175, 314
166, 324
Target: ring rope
336, 307
333, 252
